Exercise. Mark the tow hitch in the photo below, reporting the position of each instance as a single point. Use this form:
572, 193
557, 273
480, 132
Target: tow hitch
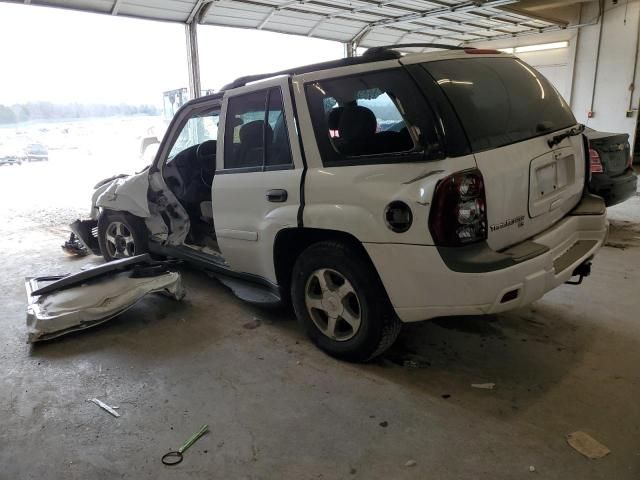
582, 270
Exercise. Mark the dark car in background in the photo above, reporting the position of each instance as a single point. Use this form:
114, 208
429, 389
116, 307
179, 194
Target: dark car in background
612, 176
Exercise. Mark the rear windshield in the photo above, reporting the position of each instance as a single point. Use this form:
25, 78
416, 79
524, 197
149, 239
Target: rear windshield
500, 100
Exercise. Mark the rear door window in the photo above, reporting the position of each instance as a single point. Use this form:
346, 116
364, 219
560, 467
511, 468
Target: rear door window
256, 132
500, 100
374, 117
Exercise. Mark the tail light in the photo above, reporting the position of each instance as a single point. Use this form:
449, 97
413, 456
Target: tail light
458, 213
594, 161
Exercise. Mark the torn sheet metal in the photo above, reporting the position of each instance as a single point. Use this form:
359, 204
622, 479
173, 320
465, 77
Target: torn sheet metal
126, 194
97, 300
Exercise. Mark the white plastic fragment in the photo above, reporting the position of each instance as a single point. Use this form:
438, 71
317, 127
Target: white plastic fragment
532, 468
410, 463
104, 406
484, 386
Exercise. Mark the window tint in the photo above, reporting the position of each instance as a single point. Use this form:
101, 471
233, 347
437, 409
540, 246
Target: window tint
500, 100
253, 120
379, 114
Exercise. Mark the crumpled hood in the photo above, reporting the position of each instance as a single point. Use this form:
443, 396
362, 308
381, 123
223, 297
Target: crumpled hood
125, 193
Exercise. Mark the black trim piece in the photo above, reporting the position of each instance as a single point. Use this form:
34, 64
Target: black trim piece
259, 168
303, 155
479, 258
95, 272
442, 46
210, 263
343, 62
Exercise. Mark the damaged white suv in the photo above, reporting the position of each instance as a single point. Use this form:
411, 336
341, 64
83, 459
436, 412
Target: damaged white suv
368, 192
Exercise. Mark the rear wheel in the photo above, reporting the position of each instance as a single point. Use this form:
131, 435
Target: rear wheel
121, 235
341, 303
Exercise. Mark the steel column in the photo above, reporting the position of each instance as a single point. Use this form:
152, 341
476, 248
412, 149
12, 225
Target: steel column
193, 59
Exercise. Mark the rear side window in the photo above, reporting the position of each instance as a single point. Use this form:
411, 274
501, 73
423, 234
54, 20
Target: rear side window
373, 117
500, 100
256, 132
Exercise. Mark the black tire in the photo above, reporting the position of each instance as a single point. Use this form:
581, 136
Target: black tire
378, 324
134, 227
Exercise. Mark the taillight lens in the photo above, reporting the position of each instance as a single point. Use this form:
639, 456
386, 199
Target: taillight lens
458, 213
594, 161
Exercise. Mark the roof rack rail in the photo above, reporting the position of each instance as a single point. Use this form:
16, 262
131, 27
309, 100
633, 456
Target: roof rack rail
382, 48
382, 54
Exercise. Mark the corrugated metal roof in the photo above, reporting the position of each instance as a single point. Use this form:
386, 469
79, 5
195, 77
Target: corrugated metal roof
368, 22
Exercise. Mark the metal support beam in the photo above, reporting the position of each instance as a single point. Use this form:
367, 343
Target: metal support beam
350, 49
116, 7
193, 59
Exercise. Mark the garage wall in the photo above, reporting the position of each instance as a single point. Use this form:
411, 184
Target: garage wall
571, 69
615, 69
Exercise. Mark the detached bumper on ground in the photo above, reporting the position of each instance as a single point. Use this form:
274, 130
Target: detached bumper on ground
425, 281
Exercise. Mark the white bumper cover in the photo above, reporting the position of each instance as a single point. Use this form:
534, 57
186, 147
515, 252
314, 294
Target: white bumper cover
421, 286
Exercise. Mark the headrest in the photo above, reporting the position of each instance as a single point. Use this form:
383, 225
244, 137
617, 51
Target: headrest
333, 119
251, 134
357, 123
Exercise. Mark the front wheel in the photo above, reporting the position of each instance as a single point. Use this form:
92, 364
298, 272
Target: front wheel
121, 235
341, 303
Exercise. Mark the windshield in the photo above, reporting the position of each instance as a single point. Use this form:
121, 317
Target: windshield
500, 100
199, 128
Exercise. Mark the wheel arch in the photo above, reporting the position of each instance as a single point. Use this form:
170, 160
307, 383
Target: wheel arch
291, 242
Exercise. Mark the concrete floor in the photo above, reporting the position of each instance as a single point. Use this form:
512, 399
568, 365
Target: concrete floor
279, 408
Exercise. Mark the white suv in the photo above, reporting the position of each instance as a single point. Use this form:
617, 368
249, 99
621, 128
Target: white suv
368, 192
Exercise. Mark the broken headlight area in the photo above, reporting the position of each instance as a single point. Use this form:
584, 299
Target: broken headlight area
62, 304
83, 238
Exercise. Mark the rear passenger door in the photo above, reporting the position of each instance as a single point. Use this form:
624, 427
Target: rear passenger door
256, 189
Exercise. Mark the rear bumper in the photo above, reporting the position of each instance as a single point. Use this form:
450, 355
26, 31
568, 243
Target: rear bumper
614, 190
421, 284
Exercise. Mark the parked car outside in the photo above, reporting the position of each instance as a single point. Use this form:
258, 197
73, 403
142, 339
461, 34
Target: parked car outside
368, 192
612, 175
36, 152
9, 156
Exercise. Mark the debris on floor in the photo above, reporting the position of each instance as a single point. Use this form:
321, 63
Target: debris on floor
532, 468
61, 304
104, 406
484, 386
74, 246
410, 463
587, 445
255, 323
174, 458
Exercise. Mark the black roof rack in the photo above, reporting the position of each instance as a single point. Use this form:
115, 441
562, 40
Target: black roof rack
343, 62
374, 54
386, 48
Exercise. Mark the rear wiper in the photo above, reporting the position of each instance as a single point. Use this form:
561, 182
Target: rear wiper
569, 133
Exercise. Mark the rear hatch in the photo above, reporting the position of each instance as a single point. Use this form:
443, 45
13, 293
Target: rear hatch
613, 148
510, 112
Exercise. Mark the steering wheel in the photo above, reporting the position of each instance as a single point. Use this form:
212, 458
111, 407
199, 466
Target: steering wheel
206, 157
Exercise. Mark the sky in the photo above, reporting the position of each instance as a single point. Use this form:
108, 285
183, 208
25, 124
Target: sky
64, 56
